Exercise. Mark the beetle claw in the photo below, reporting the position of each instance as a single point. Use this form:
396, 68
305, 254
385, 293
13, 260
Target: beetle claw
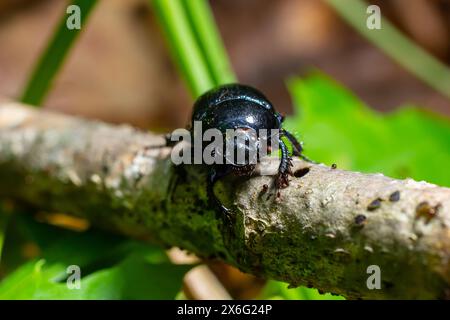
282, 180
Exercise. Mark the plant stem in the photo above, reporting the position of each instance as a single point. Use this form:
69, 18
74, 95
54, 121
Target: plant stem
208, 39
54, 55
185, 50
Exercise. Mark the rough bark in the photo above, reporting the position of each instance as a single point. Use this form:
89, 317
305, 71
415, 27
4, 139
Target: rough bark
324, 230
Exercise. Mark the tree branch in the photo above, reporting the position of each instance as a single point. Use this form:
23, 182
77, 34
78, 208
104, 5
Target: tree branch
324, 231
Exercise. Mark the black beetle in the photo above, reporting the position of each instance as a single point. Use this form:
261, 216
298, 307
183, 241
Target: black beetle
240, 107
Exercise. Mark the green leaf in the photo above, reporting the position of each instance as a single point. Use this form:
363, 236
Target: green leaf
111, 267
136, 278
54, 56
338, 128
133, 278
276, 290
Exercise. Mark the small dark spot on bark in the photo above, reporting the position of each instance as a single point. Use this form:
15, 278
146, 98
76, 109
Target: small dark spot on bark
374, 205
264, 189
334, 166
278, 194
395, 196
360, 220
301, 172
427, 211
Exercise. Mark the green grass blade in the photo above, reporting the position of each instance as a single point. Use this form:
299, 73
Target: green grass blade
54, 55
209, 41
183, 45
397, 46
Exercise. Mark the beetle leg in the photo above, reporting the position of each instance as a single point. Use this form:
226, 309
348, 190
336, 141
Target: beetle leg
215, 175
285, 167
296, 146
